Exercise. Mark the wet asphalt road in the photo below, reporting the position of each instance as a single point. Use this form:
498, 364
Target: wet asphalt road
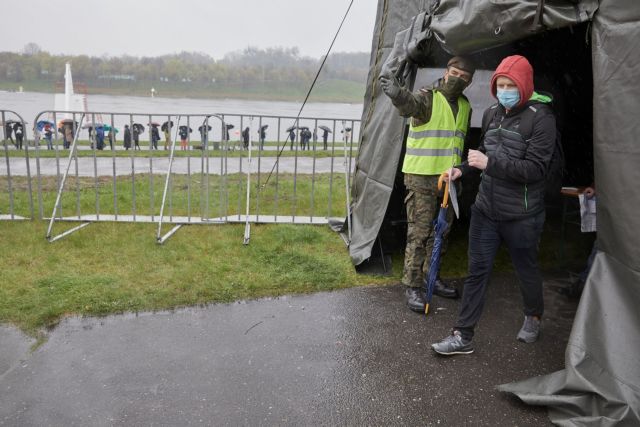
351, 357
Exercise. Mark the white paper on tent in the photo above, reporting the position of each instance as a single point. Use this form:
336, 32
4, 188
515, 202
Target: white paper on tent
587, 213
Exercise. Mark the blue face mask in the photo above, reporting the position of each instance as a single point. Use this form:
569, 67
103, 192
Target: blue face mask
508, 98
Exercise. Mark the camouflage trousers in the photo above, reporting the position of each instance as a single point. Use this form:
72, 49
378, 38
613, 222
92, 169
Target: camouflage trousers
422, 201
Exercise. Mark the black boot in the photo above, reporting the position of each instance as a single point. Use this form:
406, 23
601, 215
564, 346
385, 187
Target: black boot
445, 291
415, 299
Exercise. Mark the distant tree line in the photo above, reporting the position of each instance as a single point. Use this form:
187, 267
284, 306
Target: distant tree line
249, 66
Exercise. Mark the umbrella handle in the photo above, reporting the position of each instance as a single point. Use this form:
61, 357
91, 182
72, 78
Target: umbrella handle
445, 198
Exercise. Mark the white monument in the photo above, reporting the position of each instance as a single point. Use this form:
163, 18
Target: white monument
69, 101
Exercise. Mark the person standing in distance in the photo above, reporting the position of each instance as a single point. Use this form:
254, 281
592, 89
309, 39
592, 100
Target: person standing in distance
127, 137
439, 126
509, 206
325, 137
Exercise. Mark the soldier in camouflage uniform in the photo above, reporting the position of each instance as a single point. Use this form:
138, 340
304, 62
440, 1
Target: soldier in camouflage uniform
440, 120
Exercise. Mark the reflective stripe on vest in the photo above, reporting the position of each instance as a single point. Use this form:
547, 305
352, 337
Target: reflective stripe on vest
437, 145
436, 134
437, 152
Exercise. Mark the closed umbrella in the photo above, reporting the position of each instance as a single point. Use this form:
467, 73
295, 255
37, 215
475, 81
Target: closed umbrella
439, 227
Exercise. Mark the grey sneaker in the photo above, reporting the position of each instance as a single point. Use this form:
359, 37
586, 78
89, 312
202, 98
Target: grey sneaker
530, 330
453, 344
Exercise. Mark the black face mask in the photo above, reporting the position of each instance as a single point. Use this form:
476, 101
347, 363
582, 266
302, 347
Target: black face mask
454, 86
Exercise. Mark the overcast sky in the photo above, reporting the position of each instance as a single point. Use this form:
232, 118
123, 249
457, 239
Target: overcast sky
157, 27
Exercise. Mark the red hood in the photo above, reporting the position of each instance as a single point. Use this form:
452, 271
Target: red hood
518, 69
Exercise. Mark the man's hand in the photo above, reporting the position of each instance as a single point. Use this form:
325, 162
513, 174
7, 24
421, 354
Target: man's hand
455, 174
477, 159
390, 86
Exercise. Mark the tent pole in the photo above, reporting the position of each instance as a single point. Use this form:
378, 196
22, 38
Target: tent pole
346, 181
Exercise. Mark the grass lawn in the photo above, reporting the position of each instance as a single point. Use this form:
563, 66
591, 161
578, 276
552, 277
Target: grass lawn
336, 151
113, 267
281, 196
110, 268
118, 267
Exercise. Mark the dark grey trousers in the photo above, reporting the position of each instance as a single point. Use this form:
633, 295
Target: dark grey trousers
485, 237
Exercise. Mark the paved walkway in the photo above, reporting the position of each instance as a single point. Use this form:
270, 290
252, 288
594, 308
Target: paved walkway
351, 357
123, 166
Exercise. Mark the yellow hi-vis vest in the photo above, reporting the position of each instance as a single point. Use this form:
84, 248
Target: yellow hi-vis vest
437, 145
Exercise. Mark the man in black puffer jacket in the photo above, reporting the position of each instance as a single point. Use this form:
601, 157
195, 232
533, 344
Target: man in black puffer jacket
514, 158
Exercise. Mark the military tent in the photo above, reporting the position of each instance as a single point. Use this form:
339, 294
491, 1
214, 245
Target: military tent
588, 53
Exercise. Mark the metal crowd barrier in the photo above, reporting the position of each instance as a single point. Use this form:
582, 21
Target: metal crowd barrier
14, 129
206, 188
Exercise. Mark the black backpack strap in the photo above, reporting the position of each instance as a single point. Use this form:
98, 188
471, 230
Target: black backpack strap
487, 118
526, 130
526, 120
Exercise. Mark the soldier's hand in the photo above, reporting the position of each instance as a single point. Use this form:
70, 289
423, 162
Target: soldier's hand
390, 86
452, 174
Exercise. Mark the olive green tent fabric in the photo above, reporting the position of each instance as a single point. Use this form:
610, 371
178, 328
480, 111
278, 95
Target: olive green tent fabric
600, 384
381, 134
465, 27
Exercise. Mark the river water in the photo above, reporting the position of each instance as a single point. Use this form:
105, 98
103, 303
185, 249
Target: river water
30, 104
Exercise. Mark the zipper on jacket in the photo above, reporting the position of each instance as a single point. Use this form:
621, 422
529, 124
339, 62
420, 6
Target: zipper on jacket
493, 205
526, 202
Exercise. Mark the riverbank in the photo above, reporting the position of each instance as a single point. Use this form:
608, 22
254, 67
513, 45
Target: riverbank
324, 91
